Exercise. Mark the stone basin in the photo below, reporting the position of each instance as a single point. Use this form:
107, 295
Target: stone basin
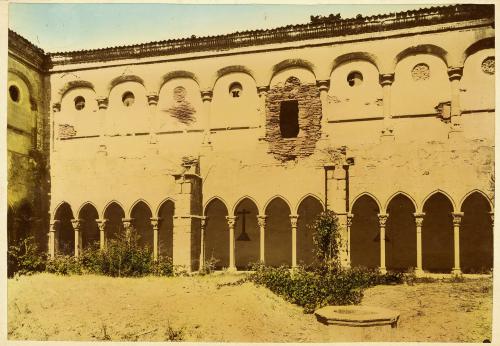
357, 316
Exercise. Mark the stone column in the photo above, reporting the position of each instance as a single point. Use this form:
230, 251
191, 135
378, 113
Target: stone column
323, 86
127, 225
348, 240
77, 223
419, 219
457, 219
382, 219
102, 104
101, 223
261, 219
492, 216
54, 226
386, 81
231, 220
293, 221
262, 91
204, 222
155, 222
206, 97
455, 74
153, 106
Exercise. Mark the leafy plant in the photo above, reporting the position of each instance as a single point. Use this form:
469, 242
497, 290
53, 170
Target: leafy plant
326, 239
24, 258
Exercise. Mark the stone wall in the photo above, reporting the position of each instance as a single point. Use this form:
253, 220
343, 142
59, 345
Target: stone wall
309, 106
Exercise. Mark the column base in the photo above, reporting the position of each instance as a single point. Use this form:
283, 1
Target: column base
232, 269
456, 272
383, 270
419, 272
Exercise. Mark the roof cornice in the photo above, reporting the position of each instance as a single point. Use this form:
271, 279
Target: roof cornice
319, 28
26, 51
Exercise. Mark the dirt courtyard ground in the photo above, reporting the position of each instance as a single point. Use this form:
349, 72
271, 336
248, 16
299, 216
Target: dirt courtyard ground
50, 307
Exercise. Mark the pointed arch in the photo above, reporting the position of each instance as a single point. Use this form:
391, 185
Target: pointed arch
59, 207
415, 205
114, 201
480, 193
421, 49
162, 203
381, 210
137, 202
84, 205
235, 206
309, 195
212, 199
439, 191
270, 200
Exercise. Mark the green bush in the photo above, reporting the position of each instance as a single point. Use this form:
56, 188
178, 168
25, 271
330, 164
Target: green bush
24, 258
122, 257
326, 239
64, 265
314, 289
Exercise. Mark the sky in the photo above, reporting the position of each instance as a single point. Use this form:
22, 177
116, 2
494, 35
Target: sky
58, 27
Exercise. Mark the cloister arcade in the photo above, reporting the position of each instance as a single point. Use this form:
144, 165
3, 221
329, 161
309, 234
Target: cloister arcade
435, 235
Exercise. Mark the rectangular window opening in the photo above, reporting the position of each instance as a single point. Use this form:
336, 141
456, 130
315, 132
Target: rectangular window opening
289, 119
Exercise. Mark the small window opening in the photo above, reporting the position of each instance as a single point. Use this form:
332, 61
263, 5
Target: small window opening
128, 99
289, 119
235, 89
355, 79
79, 103
14, 93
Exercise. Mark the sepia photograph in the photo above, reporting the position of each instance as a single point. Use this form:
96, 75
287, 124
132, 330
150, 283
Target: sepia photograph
249, 172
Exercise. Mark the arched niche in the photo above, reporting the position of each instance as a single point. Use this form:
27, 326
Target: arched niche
79, 110
420, 84
235, 101
477, 86
114, 214
128, 110
247, 235
217, 233
20, 106
179, 105
308, 210
166, 229
141, 220
278, 235
65, 232
365, 232
355, 91
89, 228
306, 76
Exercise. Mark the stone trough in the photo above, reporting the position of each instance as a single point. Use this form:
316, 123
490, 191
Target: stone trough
357, 316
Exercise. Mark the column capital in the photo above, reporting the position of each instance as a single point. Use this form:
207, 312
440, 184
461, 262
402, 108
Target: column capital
231, 220
56, 107
457, 218
419, 219
349, 219
102, 102
455, 72
382, 219
492, 216
54, 225
155, 222
101, 223
152, 98
386, 79
262, 90
204, 222
76, 223
261, 219
323, 85
206, 95
127, 222
293, 220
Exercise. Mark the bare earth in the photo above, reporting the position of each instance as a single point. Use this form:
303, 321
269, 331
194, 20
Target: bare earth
50, 307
